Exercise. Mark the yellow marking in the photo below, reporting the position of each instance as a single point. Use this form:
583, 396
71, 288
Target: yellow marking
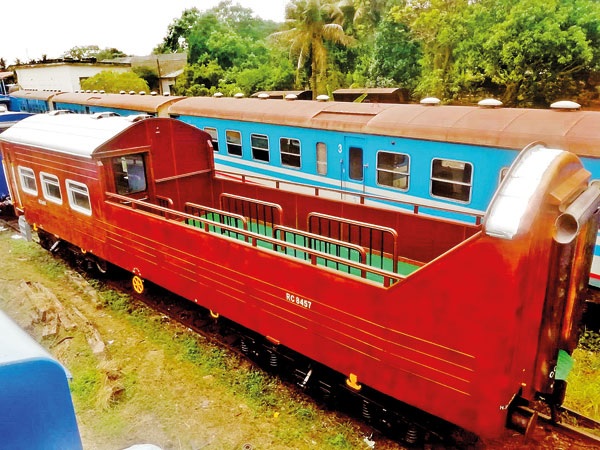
352, 381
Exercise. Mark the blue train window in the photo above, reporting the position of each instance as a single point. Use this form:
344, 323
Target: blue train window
79, 197
51, 188
356, 163
321, 158
451, 179
393, 169
260, 147
290, 152
28, 182
234, 142
129, 174
214, 136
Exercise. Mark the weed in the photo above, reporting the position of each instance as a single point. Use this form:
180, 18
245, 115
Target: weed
590, 340
114, 300
305, 413
339, 441
86, 384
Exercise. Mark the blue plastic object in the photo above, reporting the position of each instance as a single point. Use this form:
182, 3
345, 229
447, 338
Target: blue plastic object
36, 409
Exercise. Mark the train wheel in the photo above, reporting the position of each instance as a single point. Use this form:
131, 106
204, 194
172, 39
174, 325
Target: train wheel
138, 284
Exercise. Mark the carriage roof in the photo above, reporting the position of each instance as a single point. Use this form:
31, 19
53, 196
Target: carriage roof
515, 128
147, 103
73, 134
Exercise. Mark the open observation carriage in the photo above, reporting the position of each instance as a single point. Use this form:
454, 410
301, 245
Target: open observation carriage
452, 318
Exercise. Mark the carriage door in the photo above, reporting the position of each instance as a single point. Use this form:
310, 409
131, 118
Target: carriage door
354, 170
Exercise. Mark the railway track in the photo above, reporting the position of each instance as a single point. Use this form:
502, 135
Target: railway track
571, 430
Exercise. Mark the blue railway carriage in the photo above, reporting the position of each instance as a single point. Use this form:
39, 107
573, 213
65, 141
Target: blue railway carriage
32, 101
36, 410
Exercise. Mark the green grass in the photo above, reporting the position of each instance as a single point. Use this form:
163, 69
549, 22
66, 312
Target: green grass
583, 390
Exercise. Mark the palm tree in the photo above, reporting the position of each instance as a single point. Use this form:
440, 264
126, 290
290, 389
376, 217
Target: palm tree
312, 23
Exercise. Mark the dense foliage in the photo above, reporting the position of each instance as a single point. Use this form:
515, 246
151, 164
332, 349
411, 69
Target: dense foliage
524, 52
115, 82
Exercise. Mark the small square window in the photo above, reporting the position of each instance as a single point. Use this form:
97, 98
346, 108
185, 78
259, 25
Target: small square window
27, 178
79, 197
51, 188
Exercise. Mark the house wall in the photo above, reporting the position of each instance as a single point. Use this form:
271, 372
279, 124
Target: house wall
61, 76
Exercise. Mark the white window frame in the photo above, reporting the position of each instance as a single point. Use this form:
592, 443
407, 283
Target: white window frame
79, 188
229, 143
451, 182
293, 155
214, 136
393, 171
266, 149
46, 179
30, 174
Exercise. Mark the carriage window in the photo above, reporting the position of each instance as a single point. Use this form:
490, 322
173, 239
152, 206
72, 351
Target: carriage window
356, 163
51, 188
79, 197
28, 182
129, 173
451, 179
321, 158
393, 170
214, 136
290, 152
260, 147
234, 142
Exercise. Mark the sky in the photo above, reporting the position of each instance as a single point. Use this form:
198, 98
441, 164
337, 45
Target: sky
32, 28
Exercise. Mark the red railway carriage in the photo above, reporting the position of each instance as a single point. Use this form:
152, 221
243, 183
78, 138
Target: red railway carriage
451, 318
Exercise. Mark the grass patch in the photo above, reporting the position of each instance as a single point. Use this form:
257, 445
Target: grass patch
48, 266
583, 391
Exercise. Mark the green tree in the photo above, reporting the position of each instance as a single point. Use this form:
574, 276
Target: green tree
539, 51
313, 23
395, 56
149, 74
114, 82
178, 32
439, 25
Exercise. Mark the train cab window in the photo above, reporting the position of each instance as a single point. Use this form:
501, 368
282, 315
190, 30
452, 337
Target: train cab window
321, 158
356, 163
234, 142
260, 147
451, 179
27, 178
290, 152
79, 197
129, 173
214, 136
392, 169
51, 188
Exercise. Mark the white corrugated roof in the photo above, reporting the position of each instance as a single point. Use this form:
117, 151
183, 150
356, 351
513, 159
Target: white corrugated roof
75, 134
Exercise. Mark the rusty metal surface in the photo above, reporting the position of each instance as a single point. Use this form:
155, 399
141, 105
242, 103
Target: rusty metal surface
36, 95
146, 103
